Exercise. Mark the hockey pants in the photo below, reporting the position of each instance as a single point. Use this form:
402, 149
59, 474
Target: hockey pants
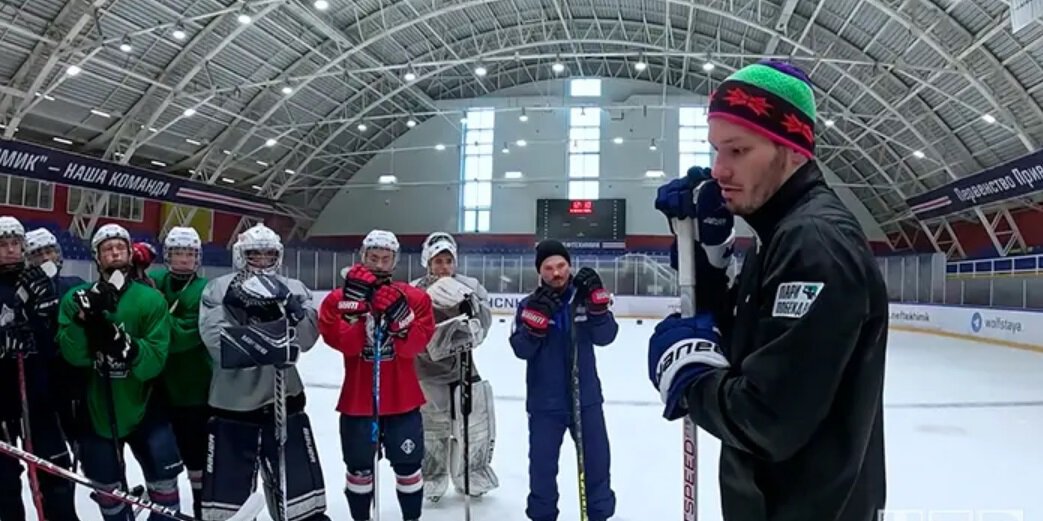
444, 439
240, 444
155, 449
402, 438
48, 442
546, 432
189, 424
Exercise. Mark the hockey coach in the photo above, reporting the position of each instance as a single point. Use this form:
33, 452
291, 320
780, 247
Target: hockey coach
787, 367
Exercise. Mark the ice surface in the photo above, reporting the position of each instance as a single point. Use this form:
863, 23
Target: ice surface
964, 423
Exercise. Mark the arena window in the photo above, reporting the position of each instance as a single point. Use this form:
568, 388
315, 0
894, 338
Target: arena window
477, 172
26, 193
584, 152
693, 132
123, 207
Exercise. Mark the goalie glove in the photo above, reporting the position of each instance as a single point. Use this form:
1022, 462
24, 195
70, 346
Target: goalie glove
259, 345
255, 298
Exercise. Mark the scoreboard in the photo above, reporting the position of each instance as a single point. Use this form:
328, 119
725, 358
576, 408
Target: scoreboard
582, 223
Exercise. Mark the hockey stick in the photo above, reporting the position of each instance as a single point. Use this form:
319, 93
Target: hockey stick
249, 510
465, 406
27, 439
684, 230
577, 416
378, 345
280, 433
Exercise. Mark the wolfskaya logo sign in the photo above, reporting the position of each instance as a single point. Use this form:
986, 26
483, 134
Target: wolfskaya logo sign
913, 514
978, 322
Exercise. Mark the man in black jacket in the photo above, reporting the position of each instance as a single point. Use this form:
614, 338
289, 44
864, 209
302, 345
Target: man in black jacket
787, 368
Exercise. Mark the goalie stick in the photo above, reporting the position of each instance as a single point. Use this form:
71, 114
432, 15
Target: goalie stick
250, 509
684, 230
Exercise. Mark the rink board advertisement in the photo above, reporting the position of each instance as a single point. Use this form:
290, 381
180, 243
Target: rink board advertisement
1017, 178
1021, 329
622, 306
47, 164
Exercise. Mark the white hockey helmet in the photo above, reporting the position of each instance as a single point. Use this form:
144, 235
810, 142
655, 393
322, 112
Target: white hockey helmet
11, 227
110, 231
382, 240
182, 238
41, 239
436, 243
257, 238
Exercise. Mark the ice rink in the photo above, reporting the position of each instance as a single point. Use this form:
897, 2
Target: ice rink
964, 422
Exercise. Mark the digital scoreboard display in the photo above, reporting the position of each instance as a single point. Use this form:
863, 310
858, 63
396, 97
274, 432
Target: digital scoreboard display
582, 223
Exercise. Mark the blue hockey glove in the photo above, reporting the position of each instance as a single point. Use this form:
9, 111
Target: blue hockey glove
680, 351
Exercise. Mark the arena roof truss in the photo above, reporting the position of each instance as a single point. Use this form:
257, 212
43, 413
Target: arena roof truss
281, 98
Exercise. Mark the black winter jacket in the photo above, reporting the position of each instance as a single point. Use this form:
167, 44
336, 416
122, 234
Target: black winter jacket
800, 411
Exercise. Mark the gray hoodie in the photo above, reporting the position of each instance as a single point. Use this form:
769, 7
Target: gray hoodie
248, 389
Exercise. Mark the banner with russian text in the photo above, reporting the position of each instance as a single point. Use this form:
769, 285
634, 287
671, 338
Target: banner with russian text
47, 164
1017, 178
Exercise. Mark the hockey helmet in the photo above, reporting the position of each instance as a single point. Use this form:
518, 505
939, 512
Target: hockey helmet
257, 239
182, 238
11, 227
436, 243
38, 240
107, 232
381, 240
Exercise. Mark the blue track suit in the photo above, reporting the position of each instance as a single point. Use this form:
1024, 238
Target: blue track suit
549, 404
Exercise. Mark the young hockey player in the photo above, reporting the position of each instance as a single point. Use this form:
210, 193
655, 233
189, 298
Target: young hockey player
543, 336
121, 328
788, 365
28, 307
372, 305
446, 388
255, 322
41, 247
186, 376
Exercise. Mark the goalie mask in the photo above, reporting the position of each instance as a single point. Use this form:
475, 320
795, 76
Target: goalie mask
380, 253
12, 241
111, 246
439, 265
41, 246
181, 251
258, 250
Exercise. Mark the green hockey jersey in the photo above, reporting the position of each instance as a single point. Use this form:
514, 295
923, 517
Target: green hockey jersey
143, 313
186, 377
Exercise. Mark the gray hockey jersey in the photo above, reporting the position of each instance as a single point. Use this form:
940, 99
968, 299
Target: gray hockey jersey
252, 388
447, 370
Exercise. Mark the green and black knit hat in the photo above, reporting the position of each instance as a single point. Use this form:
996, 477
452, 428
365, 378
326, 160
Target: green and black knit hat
772, 98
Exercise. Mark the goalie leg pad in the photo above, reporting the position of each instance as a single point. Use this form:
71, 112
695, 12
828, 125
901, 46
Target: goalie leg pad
481, 440
233, 448
436, 416
258, 345
305, 487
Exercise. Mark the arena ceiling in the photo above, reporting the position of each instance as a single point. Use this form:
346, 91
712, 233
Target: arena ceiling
912, 93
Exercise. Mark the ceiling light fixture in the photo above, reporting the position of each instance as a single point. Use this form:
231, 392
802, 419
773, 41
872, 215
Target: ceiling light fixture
321, 5
481, 71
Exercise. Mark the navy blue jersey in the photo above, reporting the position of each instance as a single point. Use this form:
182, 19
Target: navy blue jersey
49, 380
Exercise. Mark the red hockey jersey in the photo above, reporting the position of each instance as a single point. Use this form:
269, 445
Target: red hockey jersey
400, 390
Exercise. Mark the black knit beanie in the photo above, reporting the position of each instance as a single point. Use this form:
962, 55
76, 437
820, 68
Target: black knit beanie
550, 248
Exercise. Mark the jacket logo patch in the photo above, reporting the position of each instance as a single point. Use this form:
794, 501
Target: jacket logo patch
793, 299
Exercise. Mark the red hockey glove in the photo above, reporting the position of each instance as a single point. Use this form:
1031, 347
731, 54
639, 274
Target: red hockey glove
589, 286
359, 284
391, 303
538, 310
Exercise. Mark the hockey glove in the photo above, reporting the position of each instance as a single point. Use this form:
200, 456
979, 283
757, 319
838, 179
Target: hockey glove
589, 287
681, 351
538, 309
18, 339
391, 303
37, 289
115, 351
360, 283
